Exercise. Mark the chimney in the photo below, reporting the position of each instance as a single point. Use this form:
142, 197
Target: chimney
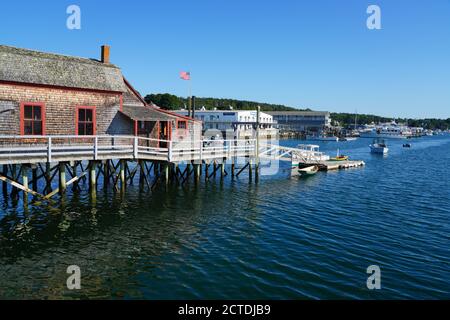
105, 54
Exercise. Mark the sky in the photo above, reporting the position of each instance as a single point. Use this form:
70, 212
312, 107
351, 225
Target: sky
316, 54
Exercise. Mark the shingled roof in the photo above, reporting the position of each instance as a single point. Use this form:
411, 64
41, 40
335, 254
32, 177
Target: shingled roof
33, 67
147, 113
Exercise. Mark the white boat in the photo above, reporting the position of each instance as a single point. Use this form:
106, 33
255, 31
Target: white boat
322, 138
387, 131
348, 139
379, 146
310, 153
308, 171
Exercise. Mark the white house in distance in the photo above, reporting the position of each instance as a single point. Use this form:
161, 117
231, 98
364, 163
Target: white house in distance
241, 122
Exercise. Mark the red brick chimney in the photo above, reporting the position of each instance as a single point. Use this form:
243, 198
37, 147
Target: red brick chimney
105, 54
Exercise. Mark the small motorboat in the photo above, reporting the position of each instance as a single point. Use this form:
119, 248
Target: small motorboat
407, 145
308, 171
379, 146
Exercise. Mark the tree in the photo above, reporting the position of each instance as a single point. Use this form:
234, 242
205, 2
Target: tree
165, 100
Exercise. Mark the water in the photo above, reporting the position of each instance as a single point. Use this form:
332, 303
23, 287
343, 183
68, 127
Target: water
278, 239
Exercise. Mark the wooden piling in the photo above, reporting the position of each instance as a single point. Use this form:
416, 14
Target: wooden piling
34, 177
62, 178
5, 184
25, 169
122, 174
92, 175
166, 173
106, 174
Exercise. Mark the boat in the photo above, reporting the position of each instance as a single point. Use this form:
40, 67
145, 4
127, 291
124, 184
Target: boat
343, 139
310, 153
339, 158
322, 138
308, 171
407, 145
387, 131
379, 146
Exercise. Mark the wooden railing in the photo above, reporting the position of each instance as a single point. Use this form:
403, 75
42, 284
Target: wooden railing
30, 149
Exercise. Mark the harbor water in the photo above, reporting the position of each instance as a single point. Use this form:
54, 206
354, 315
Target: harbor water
280, 238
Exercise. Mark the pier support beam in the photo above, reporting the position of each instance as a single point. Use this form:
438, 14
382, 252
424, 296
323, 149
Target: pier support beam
232, 167
34, 177
48, 178
62, 178
5, 184
197, 172
122, 174
25, 169
92, 175
166, 173
250, 169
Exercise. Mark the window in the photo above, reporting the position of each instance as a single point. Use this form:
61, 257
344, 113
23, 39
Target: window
181, 124
85, 121
32, 119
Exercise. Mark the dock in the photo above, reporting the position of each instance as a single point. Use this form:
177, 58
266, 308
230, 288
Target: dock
337, 165
30, 164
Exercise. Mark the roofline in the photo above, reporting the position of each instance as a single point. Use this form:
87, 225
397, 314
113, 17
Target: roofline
128, 84
50, 86
52, 55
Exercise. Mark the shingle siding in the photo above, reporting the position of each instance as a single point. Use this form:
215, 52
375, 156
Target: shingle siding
60, 106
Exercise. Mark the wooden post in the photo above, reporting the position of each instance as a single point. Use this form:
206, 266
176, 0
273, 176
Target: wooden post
92, 175
222, 169
257, 143
5, 184
250, 169
62, 177
122, 174
14, 190
141, 174
166, 173
25, 168
214, 168
34, 177
197, 171
206, 172
48, 183
232, 167
74, 173
106, 174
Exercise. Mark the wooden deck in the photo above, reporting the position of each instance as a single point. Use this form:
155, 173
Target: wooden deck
32, 149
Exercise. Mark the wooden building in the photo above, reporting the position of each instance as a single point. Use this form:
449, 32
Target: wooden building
50, 94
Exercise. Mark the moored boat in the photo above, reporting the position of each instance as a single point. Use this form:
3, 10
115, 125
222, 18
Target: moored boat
308, 171
379, 146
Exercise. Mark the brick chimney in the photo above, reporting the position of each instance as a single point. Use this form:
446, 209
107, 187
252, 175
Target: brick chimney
105, 54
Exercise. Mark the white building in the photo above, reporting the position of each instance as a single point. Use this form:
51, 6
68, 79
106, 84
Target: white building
241, 122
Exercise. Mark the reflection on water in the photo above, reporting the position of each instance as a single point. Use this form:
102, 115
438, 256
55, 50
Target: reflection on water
280, 238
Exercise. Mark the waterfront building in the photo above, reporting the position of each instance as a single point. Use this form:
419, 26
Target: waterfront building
302, 121
50, 94
241, 122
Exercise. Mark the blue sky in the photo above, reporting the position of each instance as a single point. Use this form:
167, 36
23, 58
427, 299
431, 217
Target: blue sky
315, 53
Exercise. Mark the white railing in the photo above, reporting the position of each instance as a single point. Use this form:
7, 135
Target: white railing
22, 149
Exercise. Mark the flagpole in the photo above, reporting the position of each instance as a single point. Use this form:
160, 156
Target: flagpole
190, 95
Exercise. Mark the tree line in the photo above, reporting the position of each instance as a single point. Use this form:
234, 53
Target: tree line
172, 102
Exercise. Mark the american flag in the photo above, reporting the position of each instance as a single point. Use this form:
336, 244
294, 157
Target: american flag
185, 75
